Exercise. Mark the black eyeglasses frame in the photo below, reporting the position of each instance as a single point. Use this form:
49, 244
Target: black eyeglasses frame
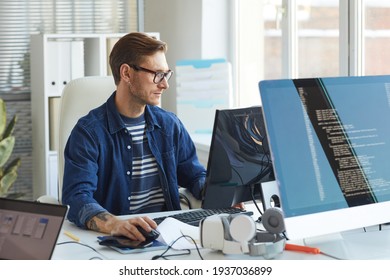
158, 75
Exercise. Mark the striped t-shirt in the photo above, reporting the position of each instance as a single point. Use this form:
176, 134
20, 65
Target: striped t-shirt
146, 194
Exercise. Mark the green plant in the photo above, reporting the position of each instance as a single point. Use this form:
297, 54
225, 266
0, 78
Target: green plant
8, 172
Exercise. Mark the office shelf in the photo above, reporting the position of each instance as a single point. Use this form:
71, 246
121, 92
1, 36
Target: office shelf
55, 60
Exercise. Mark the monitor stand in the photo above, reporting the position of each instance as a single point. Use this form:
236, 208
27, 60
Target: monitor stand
354, 245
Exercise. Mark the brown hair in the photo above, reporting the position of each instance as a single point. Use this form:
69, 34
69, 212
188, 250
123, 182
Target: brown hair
131, 49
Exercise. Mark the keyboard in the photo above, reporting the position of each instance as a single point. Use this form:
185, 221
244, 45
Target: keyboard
195, 216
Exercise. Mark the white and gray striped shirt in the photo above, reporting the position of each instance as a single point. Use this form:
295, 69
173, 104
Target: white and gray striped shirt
146, 193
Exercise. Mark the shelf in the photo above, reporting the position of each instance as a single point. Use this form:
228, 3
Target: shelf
57, 59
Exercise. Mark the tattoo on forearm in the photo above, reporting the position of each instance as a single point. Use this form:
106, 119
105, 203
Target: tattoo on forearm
92, 225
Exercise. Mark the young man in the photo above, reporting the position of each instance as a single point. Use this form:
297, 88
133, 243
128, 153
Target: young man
129, 156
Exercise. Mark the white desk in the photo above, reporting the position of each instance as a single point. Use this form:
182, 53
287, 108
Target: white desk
371, 244
74, 251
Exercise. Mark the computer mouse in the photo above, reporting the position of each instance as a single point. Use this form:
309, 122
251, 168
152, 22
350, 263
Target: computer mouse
149, 236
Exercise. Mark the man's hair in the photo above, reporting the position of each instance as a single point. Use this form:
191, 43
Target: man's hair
132, 49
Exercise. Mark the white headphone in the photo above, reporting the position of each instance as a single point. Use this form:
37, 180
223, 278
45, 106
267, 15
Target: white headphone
237, 234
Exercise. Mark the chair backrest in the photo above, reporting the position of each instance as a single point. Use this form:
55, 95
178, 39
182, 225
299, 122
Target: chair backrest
78, 98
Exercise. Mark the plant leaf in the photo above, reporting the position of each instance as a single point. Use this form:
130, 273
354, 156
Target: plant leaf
6, 148
10, 127
3, 116
7, 181
12, 166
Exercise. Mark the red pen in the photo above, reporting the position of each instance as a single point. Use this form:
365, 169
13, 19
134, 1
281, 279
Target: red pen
301, 248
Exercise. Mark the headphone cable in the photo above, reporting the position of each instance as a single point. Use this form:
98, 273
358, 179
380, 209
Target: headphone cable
188, 251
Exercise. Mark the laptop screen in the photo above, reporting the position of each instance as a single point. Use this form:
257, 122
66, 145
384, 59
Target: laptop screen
29, 230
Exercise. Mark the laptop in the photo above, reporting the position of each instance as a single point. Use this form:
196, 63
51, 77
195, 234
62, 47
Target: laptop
29, 230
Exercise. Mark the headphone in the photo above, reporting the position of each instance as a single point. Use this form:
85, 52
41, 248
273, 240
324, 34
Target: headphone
238, 234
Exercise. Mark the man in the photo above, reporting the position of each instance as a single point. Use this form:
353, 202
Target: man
129, 156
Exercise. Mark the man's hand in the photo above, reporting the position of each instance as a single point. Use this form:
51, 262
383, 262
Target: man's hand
108, 223
129, 227
240, 205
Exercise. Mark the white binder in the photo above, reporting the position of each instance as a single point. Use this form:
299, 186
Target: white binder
202, 86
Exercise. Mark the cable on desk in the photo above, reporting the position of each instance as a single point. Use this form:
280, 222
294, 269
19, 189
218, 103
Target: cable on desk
188, 252
330, 256
85, 245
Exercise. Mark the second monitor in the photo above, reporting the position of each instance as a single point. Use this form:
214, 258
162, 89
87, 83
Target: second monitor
239, 158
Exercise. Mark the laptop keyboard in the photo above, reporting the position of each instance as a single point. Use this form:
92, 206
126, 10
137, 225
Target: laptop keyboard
195, 216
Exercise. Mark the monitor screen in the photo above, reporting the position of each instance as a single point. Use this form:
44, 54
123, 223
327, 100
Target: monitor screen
239, 158
330, 146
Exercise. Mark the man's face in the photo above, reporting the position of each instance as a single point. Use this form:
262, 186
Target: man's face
142, 88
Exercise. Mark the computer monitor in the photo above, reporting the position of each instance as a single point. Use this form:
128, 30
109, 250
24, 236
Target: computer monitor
330, 145
239, 159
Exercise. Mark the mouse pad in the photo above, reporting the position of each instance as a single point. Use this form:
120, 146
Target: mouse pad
126, 246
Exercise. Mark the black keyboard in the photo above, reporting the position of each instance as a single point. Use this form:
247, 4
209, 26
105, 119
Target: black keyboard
195, 216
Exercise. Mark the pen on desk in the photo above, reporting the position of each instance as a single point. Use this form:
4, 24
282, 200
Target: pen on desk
71, 235
301, 248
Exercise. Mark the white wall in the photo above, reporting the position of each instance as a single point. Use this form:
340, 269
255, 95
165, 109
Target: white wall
193, 30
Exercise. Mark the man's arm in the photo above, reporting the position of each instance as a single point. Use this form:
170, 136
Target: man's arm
107, 223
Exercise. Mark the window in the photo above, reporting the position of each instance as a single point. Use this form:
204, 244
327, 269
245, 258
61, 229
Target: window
272, 16
318, 38
20, 19
301, 38
308, 38
376, 37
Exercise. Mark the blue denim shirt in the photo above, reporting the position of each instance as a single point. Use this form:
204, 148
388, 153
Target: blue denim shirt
98, 162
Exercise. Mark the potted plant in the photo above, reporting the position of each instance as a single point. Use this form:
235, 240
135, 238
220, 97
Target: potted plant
8, 171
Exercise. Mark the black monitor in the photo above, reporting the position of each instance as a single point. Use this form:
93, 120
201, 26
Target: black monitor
239, 159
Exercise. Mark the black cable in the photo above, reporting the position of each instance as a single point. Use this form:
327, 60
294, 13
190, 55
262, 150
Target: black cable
163, 256
183, 197
255, 203
330, 256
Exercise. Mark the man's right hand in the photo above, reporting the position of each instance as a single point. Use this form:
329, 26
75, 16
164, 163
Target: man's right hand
108, 223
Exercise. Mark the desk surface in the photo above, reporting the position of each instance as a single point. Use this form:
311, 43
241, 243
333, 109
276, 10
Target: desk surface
358, 244
76, 251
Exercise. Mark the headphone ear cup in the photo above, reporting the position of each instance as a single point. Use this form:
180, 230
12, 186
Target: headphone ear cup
242, 228
273, 220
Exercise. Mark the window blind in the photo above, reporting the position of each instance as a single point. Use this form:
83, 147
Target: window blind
22, 18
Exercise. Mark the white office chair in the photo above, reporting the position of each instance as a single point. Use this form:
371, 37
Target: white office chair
78, 98
187, 200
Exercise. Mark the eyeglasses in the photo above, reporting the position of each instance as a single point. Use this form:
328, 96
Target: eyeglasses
158, 76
